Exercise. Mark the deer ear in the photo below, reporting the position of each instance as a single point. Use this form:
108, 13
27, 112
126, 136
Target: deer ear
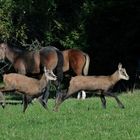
119, 66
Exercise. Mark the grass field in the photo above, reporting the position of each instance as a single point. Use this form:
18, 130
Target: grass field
76, 120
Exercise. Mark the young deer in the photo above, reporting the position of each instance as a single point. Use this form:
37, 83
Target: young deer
103, 84
28, 86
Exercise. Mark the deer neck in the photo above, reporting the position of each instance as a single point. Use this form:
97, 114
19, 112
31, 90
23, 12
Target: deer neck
115, 77
43, 81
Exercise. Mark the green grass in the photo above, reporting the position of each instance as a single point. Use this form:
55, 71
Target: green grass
76, 120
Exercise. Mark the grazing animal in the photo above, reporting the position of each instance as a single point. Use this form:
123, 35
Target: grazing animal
32, 63
103, 84
28, 86
77, 61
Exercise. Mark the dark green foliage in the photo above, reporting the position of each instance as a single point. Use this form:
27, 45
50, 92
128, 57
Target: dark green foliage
108, 30
53, 22
12, 27
83, 24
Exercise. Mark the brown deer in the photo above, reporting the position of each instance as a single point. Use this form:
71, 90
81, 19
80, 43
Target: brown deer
28, 86
103, 84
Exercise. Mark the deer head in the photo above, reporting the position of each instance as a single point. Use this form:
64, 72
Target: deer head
49, 74
122, 72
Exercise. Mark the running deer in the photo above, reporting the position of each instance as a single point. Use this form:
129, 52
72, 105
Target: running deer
31, 88
103, 84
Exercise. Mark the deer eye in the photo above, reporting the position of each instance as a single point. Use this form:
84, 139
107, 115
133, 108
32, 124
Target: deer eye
124, 73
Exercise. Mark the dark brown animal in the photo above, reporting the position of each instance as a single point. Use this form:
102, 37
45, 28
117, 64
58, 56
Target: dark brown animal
32, 63
103, 84
77, 61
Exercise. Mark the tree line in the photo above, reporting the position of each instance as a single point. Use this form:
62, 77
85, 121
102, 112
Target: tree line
107, 30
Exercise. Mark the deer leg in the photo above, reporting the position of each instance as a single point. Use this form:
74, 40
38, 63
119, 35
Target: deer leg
59, 100
117, 99
42, 102
26, 101
4, 89
103, 101
58, 89
119, 102
43, 99
59, 95
2, 100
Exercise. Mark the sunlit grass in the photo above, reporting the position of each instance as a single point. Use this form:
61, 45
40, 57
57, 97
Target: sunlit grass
76, 120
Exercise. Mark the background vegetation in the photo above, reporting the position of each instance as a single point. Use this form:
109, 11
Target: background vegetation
107, 30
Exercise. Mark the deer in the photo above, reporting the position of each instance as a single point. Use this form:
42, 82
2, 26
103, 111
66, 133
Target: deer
30, 87
102, 84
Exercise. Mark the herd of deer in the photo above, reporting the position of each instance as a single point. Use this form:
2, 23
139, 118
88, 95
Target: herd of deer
33, 88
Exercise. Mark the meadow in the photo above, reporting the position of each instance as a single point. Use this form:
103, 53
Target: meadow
76, 120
